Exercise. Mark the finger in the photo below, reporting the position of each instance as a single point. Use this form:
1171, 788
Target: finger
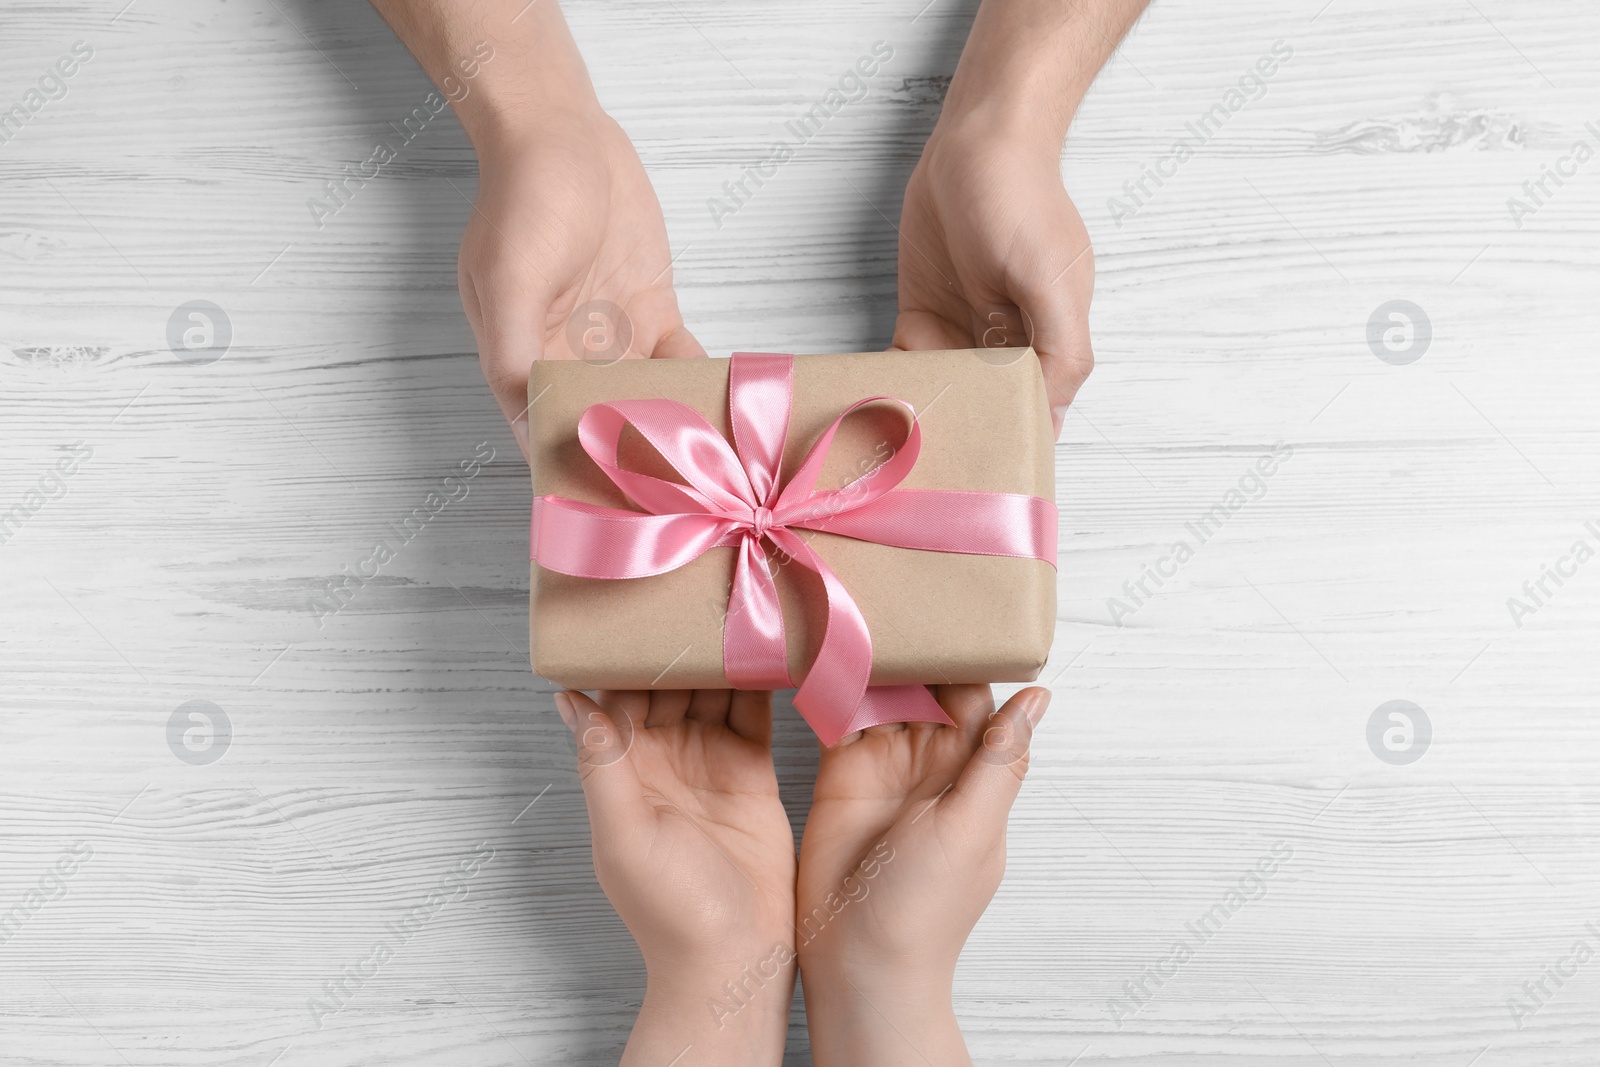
709, 705
1057, 315
611, 787
510, 337
1000, 326
625, 711
469, 300
667, 707
988, 785
924, 331
750, 716
631, 705
679, 344
968, 705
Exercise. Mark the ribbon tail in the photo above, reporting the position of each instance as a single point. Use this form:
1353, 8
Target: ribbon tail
836, 682
882, 704
755, 653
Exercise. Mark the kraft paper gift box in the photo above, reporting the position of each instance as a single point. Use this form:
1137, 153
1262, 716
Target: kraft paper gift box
933, 617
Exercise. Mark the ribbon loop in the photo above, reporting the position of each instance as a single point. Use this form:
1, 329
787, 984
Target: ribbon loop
682, 436
734, 497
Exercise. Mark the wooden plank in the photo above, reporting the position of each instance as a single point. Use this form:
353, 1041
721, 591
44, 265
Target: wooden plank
1228, 713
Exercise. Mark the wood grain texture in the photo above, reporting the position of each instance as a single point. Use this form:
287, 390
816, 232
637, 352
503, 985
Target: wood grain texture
373, 752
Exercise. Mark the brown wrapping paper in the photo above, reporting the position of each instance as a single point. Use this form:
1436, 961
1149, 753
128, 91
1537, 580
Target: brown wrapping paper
934, 617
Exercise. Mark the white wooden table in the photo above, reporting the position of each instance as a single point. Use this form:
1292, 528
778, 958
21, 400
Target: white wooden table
179, 912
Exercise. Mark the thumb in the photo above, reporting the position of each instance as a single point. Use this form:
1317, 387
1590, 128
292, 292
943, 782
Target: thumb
679, 344
507, 321
1058, 316
611, 786
989, 783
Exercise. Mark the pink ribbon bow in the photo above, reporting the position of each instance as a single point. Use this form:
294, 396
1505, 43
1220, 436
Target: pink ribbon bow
734, 499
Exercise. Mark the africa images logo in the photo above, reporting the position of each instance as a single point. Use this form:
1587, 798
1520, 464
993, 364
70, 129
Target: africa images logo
852, 87
1252, 87
51, 86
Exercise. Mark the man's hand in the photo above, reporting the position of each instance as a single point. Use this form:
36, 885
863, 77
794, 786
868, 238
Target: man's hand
993, 254
565, 255
992, 251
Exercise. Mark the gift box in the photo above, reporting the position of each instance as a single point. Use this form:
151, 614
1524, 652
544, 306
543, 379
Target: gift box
835, 522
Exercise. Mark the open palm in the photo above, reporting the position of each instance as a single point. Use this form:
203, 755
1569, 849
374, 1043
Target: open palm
905, 843
691, 843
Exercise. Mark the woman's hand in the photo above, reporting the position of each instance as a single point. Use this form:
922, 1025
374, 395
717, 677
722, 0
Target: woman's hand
566, 254
693, 848
903, 849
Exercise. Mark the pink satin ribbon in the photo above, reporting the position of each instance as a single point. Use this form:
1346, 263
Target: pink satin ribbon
734, 499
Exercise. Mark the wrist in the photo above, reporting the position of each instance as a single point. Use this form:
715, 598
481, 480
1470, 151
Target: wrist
508, 70
883, 1015
534, 84
731, 1011
992, 129
906, 985
1027, 64
1001, 114
501, 129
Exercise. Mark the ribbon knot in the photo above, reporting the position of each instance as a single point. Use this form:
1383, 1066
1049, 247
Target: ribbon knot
760, 522
732, 497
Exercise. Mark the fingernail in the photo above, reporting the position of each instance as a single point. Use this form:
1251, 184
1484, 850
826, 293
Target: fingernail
1058, 415
1039, 701
519, 429
565, 709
